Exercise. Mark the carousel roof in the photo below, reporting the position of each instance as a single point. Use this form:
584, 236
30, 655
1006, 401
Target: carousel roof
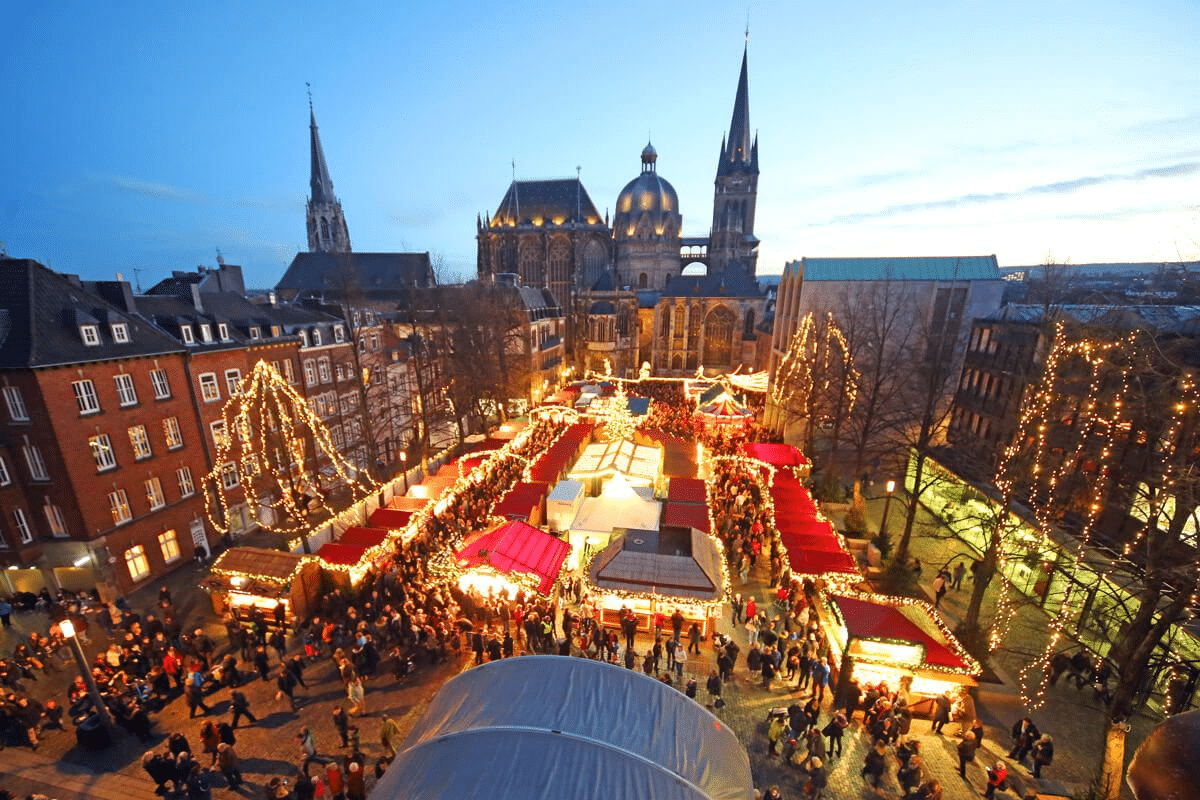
518, 547
672, 561
512, 729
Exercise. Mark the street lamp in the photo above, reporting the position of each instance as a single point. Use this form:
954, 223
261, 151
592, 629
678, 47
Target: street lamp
68, 632
887, 504
404, 468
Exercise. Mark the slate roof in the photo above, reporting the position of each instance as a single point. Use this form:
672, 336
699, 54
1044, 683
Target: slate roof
45, 310
550, 199
1178, 319
318, 274
170, 313
733, 281
920, 268
633, 563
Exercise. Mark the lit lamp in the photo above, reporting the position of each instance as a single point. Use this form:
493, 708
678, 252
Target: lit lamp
404, 468
887, 504
68, 632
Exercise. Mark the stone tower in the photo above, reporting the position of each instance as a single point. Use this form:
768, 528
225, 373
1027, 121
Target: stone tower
732, 237
646, 228
327, 231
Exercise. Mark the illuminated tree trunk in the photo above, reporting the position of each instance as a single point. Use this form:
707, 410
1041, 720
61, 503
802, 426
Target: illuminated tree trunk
969, 631
1112, 765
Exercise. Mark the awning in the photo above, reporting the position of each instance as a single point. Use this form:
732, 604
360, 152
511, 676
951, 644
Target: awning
687, 490
872, 620
518, 547
365, 538
521, 501
392, 519
819, 562
777, 455
343, 555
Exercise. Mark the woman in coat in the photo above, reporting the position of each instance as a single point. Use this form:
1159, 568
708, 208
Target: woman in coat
1043, 754
209, 739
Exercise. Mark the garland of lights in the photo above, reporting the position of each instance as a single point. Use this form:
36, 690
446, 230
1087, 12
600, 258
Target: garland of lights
267, 405
621, 424
1102, 417
806, 369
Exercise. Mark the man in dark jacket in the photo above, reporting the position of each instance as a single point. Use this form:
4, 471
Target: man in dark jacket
1024, 735
240, 707
286, 683
941, 713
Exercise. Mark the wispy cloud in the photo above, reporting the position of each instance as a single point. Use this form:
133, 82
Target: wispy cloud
1179, 170
158, 190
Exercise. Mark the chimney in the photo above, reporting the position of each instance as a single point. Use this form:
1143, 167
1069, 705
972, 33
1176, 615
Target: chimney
271, 297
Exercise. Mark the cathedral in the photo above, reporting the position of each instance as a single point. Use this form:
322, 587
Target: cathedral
629, 300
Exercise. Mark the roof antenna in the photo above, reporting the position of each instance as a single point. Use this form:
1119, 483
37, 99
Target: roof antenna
137, 278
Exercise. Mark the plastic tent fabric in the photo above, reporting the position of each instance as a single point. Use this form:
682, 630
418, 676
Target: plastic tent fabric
518, 547
554, 727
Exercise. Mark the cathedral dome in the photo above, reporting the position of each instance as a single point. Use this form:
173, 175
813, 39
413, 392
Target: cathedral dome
648, 205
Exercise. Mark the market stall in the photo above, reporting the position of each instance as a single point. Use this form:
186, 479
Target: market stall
525, 501
391, 519
245, 578
618, 506
639, 464
509, 557
563, 503
344, 565
882, 638
778, 455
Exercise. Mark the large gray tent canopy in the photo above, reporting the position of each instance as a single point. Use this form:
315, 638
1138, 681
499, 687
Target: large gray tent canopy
554, 727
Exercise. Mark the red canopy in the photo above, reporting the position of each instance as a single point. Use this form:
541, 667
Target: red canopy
521, 501
810, 541
363, 537
688, 514
880, 621
817, 562
777, 455
408, 503
518, 547
687, 490
346, 555
392, 519
552, 463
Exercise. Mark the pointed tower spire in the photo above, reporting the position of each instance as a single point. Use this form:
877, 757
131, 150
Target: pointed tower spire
327, 231
737, 151
731, 238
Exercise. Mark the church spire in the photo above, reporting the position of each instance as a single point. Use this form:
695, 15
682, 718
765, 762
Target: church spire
738, 150
327, 231
731, 238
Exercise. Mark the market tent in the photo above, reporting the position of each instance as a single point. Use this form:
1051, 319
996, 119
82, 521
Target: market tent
551, 464
392, 519
777, 455
878, 620
518, 547
828, 542
691, 515
821, 563
618, 506
523, 501
725, 410
365, 538
672, 562
548, 726
687, 490
337, 554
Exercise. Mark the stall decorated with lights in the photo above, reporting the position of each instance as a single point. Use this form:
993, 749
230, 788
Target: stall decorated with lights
245, 578
619, 506
655, 572
511, 557
640, 464
883, 638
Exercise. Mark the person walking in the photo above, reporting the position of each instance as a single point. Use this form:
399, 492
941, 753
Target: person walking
1043, 754
941, 713
389, 735
1024, 735
694, 639
240, 707
960, 570
835, 729
308, 748
966, 752
285, 682
341, 721
195, 696
229, 764
939, 588
681, 657
875, 764
356, 696
6, 610
997, 778
714, 689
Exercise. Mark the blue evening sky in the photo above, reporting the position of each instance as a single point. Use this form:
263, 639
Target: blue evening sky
147, 135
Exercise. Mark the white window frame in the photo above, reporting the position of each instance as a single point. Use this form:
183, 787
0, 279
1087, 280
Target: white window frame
223, 331
139, 440
188, 336
275, 329
126, 391
120, 332
220, 436
162, 384
187, 487
118, 504
323, 371
17, 411
205, 332
233, 380
101, 444
173, 433
90, 335
86, 397
304, 339
339, 334
168, 543
35, 462
310, 372
56, 521
289, 371
230, 478
24, 532
255, 333
5, 475
136, 563
154, 493
316, 337
210, 387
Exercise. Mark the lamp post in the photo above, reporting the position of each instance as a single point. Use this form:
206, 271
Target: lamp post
68, 632
887, 504
404, 468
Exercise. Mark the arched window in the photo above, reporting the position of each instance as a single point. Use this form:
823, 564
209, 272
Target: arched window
324, 229
677, 362
643, 280
718, 337
560, 260
666, 324
680, 321
530, 267
748, 333
594, 260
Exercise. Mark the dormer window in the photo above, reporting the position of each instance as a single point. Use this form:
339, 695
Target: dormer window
206, 332
274, 330
120, 333
255, 333
90, 334
304, 338
223, 331
339, 334
316, 339
188, 336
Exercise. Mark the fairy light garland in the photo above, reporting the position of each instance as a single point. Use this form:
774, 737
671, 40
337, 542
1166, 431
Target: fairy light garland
806, 370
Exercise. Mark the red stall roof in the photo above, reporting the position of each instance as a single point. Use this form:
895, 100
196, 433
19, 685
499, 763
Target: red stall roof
881, 621
692, 515
777, 455
810, 541
342, 554
363, 537
818, 562
392, 519
555, 460
687, 490
518, 547
407, 503
521, 499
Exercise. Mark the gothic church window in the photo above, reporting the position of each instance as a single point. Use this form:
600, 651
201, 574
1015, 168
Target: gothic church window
643, 280
324, 229
718, 336
748, 332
